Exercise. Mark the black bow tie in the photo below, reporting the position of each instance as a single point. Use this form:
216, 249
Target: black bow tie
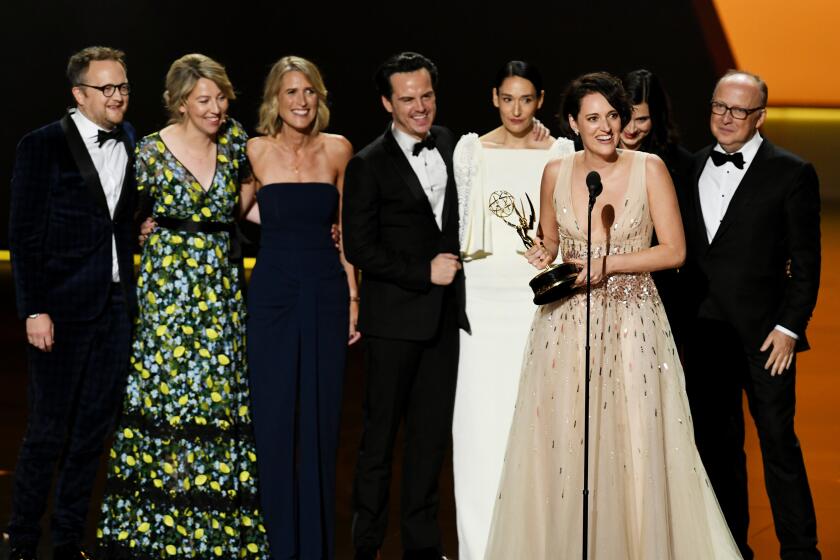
428, 143
719, 158
116, 133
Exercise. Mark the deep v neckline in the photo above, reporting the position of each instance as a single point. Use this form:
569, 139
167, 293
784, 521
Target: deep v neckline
187, 169
625, 201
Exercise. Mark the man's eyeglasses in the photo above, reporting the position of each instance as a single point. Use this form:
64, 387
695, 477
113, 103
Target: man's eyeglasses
109, 89
739, 113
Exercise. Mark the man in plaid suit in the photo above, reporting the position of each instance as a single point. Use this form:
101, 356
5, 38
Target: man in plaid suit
71, 239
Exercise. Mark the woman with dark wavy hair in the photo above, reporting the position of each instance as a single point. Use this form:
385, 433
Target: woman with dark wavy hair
649, 494
652, 129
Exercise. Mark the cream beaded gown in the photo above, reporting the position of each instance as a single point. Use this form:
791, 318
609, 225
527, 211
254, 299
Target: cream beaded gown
649, 494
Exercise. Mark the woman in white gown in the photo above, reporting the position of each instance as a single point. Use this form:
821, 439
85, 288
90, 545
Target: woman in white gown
498, 297
649, 494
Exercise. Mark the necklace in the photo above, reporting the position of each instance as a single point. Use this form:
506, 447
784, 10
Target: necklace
296, 153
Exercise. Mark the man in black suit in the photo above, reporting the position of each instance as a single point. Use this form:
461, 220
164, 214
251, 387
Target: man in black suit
400, 227
71, 240
752, 226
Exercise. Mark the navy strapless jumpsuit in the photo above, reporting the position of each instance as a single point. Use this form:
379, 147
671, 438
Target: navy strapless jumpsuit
298, 304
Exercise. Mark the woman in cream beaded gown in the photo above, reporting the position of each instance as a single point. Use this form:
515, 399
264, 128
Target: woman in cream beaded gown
498, 297
649, 494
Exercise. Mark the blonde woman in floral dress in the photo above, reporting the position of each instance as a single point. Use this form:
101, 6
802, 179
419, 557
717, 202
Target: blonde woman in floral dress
181, 478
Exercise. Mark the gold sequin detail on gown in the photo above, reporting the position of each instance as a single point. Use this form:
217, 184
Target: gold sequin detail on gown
649, 494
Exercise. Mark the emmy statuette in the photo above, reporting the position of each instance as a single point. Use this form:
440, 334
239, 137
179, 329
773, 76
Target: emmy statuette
556, 280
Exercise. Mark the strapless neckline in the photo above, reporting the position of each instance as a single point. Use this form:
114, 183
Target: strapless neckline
295, 183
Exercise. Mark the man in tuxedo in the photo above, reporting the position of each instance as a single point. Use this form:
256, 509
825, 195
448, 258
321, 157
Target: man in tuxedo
71, 240
752, 226
400, 227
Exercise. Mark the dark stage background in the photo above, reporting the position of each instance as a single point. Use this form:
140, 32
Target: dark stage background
468, 40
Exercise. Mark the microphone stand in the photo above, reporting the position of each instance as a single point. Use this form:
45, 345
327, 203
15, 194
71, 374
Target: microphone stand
592, 196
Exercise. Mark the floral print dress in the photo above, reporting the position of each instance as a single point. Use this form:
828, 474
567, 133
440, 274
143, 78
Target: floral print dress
182, 470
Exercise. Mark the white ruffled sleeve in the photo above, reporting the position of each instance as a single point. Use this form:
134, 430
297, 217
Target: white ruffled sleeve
469, 178
561, 147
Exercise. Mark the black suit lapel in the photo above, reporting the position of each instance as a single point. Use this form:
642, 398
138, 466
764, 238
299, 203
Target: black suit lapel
446, 149
699, 220
692, 210
84, 162
405, 171
749, 186
127, 184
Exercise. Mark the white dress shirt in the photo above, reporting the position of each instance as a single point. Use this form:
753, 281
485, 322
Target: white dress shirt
717, 186
110, 161
430, 169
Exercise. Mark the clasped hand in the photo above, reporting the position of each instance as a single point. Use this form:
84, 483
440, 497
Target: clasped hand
444, 268
599, 271
539, 257
146, 228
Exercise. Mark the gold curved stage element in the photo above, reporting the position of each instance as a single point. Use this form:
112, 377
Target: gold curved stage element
792, 45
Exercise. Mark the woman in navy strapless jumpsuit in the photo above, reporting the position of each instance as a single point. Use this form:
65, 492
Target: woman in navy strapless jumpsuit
301, 299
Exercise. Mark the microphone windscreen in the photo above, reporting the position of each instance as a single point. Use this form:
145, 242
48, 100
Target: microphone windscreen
593, 183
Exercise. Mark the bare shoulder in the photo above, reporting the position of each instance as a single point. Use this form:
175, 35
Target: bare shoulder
654, 166
552, 168
337, 149
256, 146
337, 144
658, 178
492, 139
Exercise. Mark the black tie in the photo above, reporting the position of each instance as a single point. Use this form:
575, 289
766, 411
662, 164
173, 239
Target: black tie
115, 134
719, 158
428, 143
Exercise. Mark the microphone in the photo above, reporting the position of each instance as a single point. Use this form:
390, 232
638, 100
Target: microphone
593, 183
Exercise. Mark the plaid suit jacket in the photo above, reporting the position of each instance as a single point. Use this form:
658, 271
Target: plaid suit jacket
60, 228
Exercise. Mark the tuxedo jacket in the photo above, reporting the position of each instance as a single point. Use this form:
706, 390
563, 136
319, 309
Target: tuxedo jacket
762, 268
60, 229
390, 234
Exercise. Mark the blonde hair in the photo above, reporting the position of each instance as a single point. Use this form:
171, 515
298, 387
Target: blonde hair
182, 77
270, 122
